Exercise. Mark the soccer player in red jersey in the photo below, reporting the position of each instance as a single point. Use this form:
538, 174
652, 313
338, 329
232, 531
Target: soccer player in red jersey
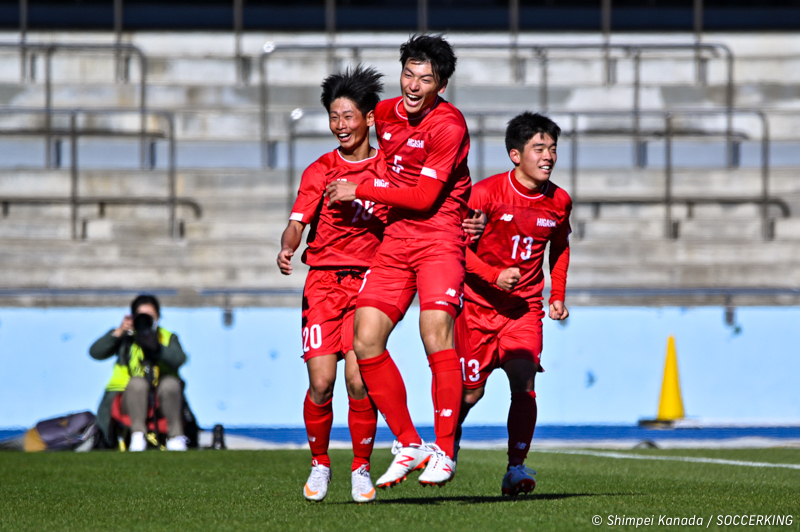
501, 324
425, 143
341, 245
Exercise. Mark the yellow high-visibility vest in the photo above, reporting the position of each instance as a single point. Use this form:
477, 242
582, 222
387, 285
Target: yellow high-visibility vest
122, 374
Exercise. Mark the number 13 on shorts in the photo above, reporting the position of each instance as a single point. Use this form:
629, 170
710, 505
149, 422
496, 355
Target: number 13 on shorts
473, 367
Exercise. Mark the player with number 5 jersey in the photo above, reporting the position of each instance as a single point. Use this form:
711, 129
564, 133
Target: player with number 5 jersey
426, 142
501, 325
342, 242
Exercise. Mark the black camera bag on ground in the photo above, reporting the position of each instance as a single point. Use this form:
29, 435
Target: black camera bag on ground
65, 433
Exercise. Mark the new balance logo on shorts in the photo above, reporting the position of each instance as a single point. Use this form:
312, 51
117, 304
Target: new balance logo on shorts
544, 222
414, 143
387, 135
450, 292
506, 217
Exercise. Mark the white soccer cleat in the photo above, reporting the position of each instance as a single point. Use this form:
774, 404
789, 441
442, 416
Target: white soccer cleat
316, 487
518, 479
362, 488
178, 443
441, 468
406, 460
138, 443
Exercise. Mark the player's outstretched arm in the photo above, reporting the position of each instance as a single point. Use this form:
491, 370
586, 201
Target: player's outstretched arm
420, 198
290, 241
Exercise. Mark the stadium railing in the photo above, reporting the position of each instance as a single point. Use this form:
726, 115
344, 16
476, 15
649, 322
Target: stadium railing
121, 51
669, 132
74, 132
636, 52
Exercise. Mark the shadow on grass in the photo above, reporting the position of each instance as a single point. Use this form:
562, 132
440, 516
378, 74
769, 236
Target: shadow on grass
495, 499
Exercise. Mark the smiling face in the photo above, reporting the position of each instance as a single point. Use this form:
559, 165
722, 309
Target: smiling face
536, 162
419, 87
350, 127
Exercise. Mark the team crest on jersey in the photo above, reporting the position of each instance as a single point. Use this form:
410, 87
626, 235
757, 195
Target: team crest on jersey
506, 217
414, 143
387, 136
544, 222
381, 183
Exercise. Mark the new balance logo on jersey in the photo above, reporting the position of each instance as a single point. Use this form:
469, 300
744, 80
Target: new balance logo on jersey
387, 136
381, 183
544, 222
446, 413
414, 143
450, 292
506, 217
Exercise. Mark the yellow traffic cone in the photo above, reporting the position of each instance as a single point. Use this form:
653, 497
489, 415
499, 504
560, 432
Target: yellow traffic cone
670, 406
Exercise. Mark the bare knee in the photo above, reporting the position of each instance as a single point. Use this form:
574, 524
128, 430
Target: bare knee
371, 332
471, 397
320, 388
436, 330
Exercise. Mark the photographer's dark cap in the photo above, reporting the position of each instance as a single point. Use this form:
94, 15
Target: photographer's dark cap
143, 299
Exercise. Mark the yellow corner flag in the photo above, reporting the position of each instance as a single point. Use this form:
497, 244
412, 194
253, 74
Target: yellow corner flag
670, 406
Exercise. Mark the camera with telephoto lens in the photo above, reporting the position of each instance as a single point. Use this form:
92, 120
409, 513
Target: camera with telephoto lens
146, 335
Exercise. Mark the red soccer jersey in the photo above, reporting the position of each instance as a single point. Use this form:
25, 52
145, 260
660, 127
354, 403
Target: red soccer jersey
435, 146
344, 234
517, 231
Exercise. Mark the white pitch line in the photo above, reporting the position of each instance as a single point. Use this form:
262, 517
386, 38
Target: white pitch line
673, 458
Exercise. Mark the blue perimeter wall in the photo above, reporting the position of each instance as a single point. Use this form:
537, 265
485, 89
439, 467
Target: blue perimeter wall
604, 366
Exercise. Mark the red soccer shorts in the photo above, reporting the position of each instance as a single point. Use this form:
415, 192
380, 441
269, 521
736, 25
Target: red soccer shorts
405, 266
486, 339
329, 306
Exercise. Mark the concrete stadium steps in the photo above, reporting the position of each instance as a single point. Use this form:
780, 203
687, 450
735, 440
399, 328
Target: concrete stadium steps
251, 265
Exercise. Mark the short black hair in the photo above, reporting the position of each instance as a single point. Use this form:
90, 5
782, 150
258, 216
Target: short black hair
433, 49
144, 299
523, 127
361, 85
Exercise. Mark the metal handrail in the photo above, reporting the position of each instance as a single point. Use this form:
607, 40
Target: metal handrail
764, 199
172, 201
541, 51
118, 48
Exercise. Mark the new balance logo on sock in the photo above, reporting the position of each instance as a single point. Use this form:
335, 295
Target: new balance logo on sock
521, 445
506, 217
446, 413
312, 438
366, 441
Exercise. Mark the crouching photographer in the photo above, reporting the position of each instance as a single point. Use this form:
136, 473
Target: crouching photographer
146, 374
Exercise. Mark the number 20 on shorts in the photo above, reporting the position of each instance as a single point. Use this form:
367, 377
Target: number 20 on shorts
312, 335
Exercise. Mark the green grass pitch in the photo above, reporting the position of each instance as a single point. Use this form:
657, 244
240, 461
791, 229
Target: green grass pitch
261, 490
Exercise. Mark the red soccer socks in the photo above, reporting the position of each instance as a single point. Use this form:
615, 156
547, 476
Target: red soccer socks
318, 419
446, 389
388, 391
521, 423
363, 422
